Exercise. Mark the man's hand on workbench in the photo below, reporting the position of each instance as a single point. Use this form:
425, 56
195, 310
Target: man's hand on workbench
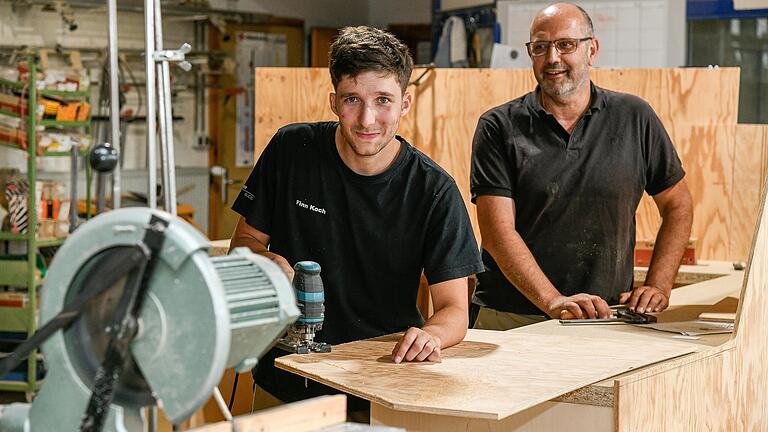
645, 299
578, 306
417, 345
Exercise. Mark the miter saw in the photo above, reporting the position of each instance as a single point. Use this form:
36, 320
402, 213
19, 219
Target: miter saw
194, 316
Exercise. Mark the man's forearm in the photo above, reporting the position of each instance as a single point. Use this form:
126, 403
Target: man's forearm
520, 267
671, 242
255, 240
448, 324
253, 244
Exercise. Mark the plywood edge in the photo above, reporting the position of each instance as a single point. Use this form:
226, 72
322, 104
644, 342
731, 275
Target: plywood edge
281, 364
603, 393
693, 274
308, 415
586, 394
374, 398
590, 395
675, 363
424, 409
219, 247
759, 236
328, 369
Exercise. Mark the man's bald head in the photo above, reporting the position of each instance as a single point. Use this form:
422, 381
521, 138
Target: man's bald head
564, 11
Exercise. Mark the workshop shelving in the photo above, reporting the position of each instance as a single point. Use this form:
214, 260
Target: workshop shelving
26, 273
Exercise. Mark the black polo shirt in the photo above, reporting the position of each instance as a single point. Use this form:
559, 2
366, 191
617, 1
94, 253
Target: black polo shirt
575, 194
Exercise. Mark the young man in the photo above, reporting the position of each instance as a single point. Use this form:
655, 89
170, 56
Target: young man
372, 210
557, 176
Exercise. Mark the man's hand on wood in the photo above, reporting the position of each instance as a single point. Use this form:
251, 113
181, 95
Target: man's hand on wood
645, 299
578, 306
417, 345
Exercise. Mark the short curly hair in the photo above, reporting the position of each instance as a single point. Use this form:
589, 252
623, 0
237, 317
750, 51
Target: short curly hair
362, 49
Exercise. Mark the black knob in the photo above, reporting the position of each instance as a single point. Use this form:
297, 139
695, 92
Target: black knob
103, 158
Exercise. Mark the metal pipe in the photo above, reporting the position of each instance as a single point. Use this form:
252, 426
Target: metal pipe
201, 132
101, 182
73, 189
114, 98
161, 123
166, 127
152, 426
149, 43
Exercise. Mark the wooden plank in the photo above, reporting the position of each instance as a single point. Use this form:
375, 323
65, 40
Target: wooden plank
686, 303
720, 389
690, 396
707, 155
491, 375
544, 417
219, 247
749, 172
308, 415
723, 317
288, 95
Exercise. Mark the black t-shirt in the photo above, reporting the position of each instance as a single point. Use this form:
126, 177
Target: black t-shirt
371, 235
575, 194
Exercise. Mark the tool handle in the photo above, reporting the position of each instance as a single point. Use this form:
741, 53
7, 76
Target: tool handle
309, 292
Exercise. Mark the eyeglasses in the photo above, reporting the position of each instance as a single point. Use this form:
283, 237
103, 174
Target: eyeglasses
563, 46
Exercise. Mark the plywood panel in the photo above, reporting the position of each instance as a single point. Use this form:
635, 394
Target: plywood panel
680, 95
304, 416
546, 417
722, 389
491, 375
749, 173
289, 95
448, 102
751, 333
707, 155
448, 105
695, 396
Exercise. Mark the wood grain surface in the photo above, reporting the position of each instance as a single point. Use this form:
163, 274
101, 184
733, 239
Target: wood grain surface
491, 375
303, 416
698, 106
723, 388
545, 417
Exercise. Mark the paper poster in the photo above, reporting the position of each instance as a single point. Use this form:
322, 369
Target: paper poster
254, 49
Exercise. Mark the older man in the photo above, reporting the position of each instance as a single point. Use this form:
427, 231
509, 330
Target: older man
557, 176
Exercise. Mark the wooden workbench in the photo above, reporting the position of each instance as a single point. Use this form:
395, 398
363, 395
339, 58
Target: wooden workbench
548, 377
584, 378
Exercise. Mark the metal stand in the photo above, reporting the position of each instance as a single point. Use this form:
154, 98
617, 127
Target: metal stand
114, 99
158, 84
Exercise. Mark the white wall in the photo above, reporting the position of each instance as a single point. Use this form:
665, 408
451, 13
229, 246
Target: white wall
315, 13
337, 13
632, 33
383, 13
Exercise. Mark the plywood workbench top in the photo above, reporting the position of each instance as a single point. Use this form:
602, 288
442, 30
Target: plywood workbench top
493, 375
